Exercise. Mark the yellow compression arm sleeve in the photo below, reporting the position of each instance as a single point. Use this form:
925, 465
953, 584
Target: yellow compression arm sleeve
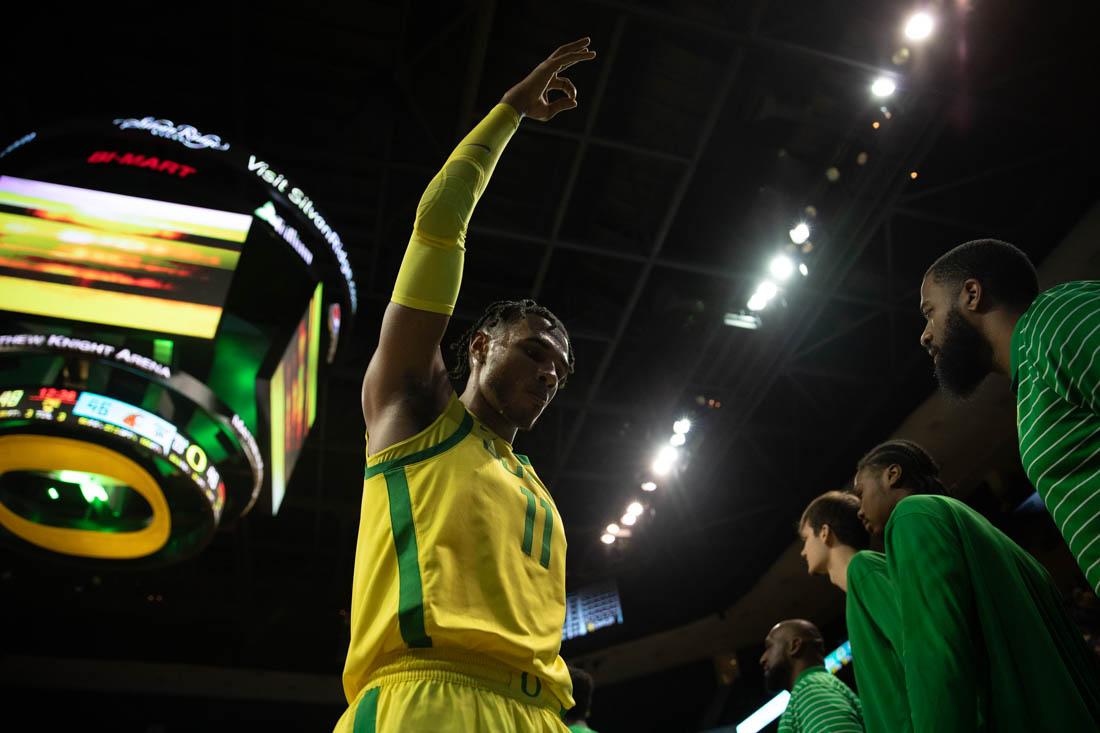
431, 272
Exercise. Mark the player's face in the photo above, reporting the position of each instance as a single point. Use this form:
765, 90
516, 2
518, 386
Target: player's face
961, 356
876, 499
774, 661
814, 550
525, 365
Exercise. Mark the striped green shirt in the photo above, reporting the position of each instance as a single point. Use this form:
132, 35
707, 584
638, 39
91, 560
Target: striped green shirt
1056, 377
820, 703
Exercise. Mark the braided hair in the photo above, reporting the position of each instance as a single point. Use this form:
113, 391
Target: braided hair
503, 312
919, 472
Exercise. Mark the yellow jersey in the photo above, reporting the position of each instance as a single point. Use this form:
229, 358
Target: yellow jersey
460, 548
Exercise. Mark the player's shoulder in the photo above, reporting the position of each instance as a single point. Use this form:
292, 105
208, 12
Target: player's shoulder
913, 513
928, 511
1047, 302
866, 562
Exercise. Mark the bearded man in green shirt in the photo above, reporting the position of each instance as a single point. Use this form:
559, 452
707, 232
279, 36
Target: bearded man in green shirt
794, 659
834, 541
984, 313
985, 640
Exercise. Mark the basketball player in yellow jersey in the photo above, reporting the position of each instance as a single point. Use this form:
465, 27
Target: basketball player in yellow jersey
459, 591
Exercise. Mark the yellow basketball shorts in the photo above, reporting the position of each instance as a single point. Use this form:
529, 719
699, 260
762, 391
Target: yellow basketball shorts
420, 692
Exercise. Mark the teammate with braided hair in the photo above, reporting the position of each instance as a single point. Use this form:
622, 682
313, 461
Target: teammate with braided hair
985, 641
458, 598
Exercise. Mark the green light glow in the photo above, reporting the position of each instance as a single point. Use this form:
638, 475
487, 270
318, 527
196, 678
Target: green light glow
90, 487
162, 350
53, 493
93, 491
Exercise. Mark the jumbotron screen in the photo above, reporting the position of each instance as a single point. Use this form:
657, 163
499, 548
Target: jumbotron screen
294, 398
124, 261
591, 608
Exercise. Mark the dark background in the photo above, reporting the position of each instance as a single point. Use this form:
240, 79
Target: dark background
641, 218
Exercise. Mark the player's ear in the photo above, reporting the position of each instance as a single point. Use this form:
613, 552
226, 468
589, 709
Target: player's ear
479, 347
892, 475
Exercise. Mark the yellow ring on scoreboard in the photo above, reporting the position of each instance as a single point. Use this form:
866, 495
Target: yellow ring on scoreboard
52, 453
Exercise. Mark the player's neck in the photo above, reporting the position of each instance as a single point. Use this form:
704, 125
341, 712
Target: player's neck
999, 332
798, 666
477, 404
839, 559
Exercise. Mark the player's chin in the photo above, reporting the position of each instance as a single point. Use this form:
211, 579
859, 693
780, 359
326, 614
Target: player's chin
527, 421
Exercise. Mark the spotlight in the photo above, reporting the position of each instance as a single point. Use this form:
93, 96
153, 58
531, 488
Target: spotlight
613, 528
861, 159
607, 539
883, 87
742, 320
635, 508
666, 458
832, 174
683, 425
804, 270
781, 267
649, 486
919, 26
876, 124
53, 493
913, 175
757, 303
677, 439
629, 519
800, 233
766, 290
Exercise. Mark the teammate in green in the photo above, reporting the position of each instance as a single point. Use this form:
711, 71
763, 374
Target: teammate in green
458, 597
985, 641
576, 718
985, 314
794, 659
833, 542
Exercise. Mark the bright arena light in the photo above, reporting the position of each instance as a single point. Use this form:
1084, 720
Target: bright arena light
800, 233
677, 439
681, 426
666, 458
613, 528
607, 539
781, 267
803, 269
649, 486
919, 26
757, 303
635, 508
629, 519
767, 290
882, 87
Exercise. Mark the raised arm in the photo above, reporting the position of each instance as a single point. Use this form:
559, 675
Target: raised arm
406, 384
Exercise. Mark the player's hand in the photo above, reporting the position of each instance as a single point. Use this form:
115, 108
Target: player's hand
531, 97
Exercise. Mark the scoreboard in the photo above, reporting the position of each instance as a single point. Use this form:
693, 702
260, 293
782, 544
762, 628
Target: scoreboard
168, 300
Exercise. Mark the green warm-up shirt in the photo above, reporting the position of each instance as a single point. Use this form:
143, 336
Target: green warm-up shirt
820, 703
1056, 378
874, 621
986, 642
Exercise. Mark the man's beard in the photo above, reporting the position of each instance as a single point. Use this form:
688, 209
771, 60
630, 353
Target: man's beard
778, 677
965, 357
